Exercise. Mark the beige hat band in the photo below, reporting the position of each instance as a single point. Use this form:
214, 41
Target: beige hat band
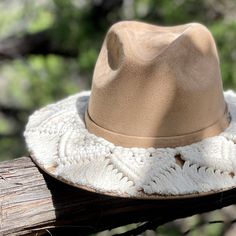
161, 142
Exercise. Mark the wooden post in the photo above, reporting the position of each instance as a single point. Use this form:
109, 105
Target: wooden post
33, 203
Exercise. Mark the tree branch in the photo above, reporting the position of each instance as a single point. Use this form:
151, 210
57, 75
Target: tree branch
13, 111
36, 43
45, 42
33, 202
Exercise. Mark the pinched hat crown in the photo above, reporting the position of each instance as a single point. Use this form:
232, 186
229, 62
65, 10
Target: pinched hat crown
157, 86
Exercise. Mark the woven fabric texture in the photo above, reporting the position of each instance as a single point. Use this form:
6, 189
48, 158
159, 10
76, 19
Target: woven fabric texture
61, 145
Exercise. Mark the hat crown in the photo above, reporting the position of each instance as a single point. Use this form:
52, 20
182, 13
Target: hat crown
156, 83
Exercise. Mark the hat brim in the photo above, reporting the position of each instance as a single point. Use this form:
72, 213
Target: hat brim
61, 145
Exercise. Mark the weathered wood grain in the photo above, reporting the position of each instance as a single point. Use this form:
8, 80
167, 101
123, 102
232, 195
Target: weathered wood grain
31, 203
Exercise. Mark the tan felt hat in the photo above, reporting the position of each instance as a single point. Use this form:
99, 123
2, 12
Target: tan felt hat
156, 123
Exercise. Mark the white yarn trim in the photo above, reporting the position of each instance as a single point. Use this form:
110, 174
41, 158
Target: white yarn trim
58, 140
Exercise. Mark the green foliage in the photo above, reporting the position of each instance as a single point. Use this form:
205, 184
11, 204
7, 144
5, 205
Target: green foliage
39, 79
225, 35
79, 26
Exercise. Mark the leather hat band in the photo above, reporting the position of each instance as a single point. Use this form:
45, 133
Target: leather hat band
161, 142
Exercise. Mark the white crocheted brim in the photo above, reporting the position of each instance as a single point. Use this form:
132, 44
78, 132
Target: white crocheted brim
61, 145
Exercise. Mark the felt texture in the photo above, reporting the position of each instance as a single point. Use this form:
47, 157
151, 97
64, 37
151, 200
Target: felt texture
157, 83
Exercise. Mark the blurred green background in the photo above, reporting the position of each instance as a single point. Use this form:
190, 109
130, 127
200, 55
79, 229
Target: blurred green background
48, 49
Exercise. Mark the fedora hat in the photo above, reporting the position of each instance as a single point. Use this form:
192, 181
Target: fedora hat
156, 123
